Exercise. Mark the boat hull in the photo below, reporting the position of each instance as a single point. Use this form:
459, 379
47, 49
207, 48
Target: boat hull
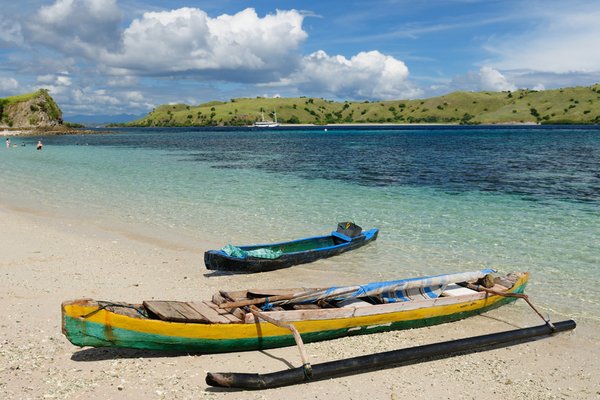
102, 328
217, 260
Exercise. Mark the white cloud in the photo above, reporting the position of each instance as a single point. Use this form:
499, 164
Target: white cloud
550, 80
539, 86
122, 81
492, 80
55, 79
97, 100
92, 100
241, 47
187, 40
562, 40
487, 78
367, 75
8, 84
57, 92
10, 31
135, 96
78, 27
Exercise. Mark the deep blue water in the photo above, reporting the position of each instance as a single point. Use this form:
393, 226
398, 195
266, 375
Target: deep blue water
536, 163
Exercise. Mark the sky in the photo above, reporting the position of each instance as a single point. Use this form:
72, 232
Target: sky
110, 57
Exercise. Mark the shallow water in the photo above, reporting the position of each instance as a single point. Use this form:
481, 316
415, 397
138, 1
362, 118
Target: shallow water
445, 199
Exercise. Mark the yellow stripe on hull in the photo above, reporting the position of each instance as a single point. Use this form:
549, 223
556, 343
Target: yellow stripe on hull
235, 331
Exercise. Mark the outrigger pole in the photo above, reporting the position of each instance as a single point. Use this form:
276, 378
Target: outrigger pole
388, 359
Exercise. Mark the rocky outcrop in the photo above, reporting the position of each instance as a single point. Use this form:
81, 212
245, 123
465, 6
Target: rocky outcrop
33, 110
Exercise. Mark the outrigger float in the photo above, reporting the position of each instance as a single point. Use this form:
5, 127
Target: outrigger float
231, 321
385, 360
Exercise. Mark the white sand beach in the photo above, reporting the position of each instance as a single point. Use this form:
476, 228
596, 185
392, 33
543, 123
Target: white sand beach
45, 260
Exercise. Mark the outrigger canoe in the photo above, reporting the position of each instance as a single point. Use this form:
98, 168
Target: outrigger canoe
268, 257
230, 321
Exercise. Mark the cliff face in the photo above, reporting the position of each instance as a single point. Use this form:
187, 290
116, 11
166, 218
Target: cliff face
34, 110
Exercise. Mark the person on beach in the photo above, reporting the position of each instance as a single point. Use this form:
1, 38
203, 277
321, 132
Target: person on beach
39, 145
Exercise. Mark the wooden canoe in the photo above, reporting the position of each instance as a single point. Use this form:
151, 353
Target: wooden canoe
300, 251
219, 326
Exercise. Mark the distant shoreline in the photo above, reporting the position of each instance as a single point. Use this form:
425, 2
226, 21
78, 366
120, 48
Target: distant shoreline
26, 132
341, 125
401, 124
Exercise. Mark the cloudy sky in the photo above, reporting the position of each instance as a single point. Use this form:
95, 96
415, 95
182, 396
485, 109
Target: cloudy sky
127, 56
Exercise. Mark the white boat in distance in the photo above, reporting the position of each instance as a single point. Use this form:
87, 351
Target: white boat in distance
266, 124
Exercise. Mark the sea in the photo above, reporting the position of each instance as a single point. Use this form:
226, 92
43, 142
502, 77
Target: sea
446, 199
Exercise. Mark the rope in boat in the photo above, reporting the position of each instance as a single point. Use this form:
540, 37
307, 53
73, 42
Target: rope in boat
267, 306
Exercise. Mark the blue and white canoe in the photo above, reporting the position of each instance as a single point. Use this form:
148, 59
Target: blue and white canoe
268, 257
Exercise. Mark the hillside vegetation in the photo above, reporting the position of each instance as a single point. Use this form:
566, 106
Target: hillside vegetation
31, 110
577, 105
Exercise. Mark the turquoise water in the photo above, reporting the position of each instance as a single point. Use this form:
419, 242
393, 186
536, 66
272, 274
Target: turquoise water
444, 200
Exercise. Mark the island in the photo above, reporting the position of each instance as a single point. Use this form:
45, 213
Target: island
576, 105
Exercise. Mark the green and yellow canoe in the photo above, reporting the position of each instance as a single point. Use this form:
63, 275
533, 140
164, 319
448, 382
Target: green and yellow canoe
224, 324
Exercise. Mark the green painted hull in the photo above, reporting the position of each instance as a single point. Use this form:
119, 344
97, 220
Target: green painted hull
82, 332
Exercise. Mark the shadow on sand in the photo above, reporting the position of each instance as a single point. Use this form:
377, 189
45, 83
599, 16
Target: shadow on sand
108, 353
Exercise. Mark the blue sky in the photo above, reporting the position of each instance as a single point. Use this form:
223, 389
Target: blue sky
127, 56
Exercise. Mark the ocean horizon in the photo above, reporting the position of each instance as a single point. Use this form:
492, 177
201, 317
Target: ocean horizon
446, 198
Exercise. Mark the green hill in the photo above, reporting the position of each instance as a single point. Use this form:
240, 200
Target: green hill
577, 105
31, 110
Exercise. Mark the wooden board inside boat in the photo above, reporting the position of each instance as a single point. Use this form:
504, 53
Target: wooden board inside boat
275, 292
191, 312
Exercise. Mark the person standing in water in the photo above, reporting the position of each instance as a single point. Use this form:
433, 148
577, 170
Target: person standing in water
39, 145
8, 143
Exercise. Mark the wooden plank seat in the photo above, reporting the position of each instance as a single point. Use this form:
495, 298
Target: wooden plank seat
454, 289
190, 311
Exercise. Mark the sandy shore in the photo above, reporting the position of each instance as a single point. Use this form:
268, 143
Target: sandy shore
44, 260
6, 132
45, 131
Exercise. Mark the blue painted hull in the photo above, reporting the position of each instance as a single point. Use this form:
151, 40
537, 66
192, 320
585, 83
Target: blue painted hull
309, 250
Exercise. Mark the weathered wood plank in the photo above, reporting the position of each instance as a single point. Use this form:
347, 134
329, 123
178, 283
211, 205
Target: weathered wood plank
215, 307
239, 313
416, 304
208, 312
276, 292
221, 311
305, 307
218, 298
234, 295
300, 315
176, 311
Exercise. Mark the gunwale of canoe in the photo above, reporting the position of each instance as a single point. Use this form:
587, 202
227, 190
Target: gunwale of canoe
219, 261
320, 324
